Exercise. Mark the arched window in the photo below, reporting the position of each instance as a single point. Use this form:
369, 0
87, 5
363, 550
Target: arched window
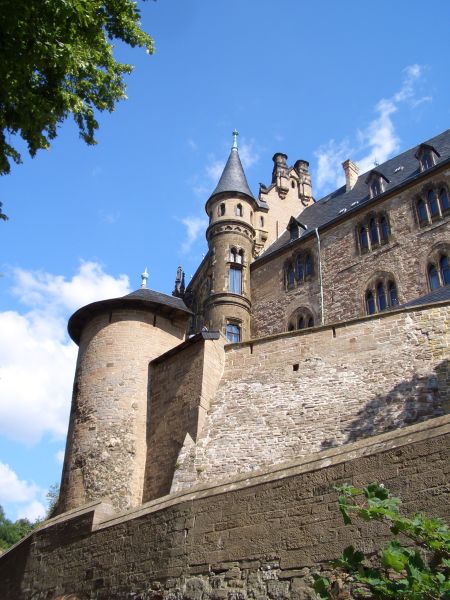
233, 333
222, 209
233, 254
290, 275
239, 211
433, 205
443, 199
444, 269
302, 318
309, 265
433, 277
381, 294
363, 239
373, 232
300, 268
422, 212
381, 297
370, 303
393, 299
384, 230
240, 257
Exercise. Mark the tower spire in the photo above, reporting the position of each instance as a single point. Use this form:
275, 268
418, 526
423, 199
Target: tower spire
144, 278
235, 134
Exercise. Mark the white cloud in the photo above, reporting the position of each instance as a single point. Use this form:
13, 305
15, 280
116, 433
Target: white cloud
37, 360
248, 153
377, 142
32, 511
214, 169
195, 226
192, 144
13, 489
59, 456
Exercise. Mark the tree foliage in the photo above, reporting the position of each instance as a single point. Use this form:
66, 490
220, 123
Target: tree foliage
11, 532
56, 60
418, 571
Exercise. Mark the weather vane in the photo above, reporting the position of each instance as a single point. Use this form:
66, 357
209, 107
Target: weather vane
235, 134
144, 278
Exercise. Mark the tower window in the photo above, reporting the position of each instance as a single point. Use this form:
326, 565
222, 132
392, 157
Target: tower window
222, 209
235, 280
233, 332
261, 221
239, 211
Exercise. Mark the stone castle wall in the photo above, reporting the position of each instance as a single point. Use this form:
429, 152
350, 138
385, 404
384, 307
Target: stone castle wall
256, 537
301, 392
182, 384
106, 450
346, 271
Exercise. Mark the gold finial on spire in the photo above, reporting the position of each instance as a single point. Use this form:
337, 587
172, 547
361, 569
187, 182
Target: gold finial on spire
235, 134
144, 278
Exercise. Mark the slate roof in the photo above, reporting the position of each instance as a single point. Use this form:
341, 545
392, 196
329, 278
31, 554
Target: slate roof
439, 295
168, 306
233, 179
339, 204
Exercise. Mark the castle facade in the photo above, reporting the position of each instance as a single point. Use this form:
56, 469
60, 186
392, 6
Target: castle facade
208, 428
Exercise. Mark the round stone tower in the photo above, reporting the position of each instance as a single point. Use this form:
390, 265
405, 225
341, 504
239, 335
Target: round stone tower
106, 442
231, 209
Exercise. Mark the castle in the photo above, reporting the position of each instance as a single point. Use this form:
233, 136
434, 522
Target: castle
311, 346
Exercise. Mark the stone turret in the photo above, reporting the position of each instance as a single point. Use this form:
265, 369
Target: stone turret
106, 442
230, 237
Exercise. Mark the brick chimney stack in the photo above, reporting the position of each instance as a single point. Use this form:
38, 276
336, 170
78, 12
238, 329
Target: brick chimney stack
351, 174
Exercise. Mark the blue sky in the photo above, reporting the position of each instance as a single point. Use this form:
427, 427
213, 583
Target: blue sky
321, 81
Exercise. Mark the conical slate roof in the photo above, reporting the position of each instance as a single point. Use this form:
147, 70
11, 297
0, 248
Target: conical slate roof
233, 178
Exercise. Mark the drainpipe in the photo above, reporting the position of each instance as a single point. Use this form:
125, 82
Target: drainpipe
320, 277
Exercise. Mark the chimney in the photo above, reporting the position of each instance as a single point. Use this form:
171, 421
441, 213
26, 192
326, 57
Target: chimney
351, 174
280, 167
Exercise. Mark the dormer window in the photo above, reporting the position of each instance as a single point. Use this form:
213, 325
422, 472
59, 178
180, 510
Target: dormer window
294, 228
427, 156
377, 183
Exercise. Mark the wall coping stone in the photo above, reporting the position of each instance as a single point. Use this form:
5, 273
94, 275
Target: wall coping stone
103, 515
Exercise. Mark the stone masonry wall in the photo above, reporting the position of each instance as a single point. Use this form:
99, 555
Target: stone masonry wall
106, 452
255, 538
182, 384
346, 272
289, 395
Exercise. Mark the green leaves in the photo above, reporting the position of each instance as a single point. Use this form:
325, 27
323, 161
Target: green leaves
400, 572
56, 60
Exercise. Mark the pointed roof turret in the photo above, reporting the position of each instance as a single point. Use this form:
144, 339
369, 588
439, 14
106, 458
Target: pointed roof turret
233, 178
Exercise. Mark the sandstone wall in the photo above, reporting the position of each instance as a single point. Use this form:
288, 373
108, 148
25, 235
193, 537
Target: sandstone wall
106, 450
255, 537
296, 393
347, 272
182, 384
